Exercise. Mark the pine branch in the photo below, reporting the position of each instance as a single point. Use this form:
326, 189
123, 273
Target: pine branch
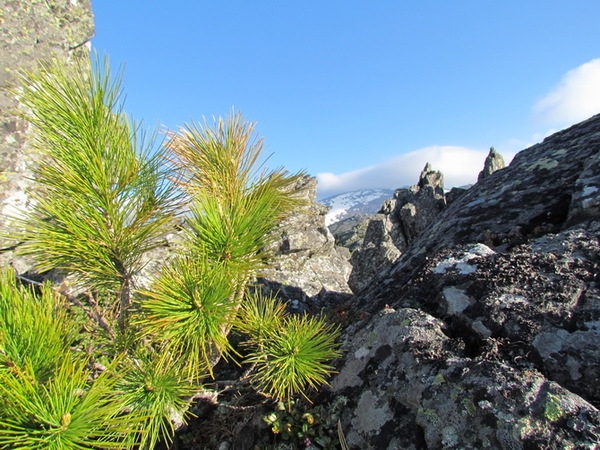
95, 315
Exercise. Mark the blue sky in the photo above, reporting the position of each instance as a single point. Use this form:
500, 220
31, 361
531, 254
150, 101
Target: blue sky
362, 93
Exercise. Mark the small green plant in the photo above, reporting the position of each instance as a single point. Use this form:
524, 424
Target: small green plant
117, 366
187, 308
289, 352
35, 330
153, 386
65, 412
260, 315
235, 201
102, 200
302, 425
49, 400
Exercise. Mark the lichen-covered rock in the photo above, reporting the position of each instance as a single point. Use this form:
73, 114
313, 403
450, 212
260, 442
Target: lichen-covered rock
30, 31
307, 266
406, 384
485, 331
487, 404
537, 303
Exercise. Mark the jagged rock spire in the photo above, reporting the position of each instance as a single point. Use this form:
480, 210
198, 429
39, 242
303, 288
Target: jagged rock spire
493, 162
430, 177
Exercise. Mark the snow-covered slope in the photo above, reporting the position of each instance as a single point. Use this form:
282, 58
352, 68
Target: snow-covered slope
365, 201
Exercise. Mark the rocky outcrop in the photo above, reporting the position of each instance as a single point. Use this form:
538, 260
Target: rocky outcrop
493, 162
382, 245
485, 333
418, 206
545, 188
31, 31
308, 267
401, 220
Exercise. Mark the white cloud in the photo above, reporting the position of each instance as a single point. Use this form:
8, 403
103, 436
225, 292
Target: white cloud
459, 165
575, 98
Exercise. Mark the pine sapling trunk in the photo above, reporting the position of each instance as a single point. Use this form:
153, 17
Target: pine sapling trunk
226, 327
124, 303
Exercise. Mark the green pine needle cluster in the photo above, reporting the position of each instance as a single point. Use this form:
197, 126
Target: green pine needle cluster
235, 202
154, 387
35, 330
290, 352
260, 315
188, 306
113, 368
102, 200
49, 400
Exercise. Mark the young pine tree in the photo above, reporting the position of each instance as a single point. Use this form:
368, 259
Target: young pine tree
101, 201
235, 204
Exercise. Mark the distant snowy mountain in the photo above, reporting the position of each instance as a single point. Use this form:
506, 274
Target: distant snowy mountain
365, 201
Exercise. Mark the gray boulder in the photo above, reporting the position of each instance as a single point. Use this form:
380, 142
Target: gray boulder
308, 267
405, 384
485, 332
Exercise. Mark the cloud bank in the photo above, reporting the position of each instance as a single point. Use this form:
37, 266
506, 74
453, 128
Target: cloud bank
460, 166
575, 98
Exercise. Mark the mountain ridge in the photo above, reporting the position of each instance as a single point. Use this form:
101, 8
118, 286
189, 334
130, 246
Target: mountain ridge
348, 204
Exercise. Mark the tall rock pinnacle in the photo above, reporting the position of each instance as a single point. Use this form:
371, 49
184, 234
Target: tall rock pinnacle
493, 162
